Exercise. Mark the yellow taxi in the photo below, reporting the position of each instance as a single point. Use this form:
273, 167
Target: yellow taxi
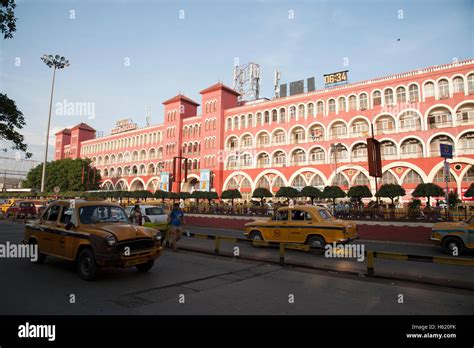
8, 203
302, 224
454, 237
93, 234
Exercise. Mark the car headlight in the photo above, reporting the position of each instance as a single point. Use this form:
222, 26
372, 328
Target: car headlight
111, 240
158, 236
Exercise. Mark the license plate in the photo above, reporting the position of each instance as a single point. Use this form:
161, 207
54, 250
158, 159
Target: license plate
135, 262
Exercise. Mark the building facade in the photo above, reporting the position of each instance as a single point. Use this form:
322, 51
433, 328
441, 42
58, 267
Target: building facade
316, 138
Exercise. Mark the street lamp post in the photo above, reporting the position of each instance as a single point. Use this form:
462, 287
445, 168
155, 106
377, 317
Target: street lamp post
55, 62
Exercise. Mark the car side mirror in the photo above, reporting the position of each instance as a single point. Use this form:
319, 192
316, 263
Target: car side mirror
69, 225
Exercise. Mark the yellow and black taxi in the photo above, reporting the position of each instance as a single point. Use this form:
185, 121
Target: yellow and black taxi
302, 224
93, 235
454, 237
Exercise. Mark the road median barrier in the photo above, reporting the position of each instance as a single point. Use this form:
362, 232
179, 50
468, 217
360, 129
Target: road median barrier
371, 255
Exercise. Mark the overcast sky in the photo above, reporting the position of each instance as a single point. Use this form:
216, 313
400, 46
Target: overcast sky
127, 56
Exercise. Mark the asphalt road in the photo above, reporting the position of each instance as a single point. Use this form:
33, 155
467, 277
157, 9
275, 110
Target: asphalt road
222, 285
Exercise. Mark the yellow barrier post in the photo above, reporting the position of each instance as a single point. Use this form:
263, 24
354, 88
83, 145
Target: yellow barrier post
282, 254
216, 245
370, 262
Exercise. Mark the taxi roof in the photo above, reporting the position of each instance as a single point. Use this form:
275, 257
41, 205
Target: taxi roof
83, 202
303, 207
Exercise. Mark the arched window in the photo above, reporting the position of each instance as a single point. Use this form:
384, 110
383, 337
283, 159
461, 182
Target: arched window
470, 84
340, 180
229, 125
352, 102
466, 144
301, 111
236, 123
242, 121
282, 115
412, 177
341, 104
292, 112
413, 90
411, 148
469, 176
250, 120
401, 95
458, 84
263, 182
267, 117
274, 116
359, 153
317, 181
440, 177
388, 150
388, 94
298, 182
363, 101
443, 89
277, 183
388, 178
320, 107
332, 105
310, 110
361, 179
428, 90
377, 98
259, 119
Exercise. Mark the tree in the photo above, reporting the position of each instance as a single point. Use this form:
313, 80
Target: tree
197, 195
211, 195
69, 174
390, 191
470, 191
231, 194
428, 190
160, 194
333, 192
10, 119
358, 192
261, 192
143, 194
7, 18
287, 192
311, 192
184, 195
453, 199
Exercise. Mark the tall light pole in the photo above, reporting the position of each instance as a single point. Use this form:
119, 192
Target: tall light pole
55, 62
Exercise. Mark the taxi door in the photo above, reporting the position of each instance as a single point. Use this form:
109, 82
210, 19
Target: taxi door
64, 245
48, 227
301, 223
278, 227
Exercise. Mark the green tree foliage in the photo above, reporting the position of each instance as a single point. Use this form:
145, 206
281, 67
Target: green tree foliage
160, 194
333, 192
358, 192
287, 192
198, 195
391, 191
261, 192
231, 194
453, 199
11, 119
7, 18
65, 173
311, 192
428, 190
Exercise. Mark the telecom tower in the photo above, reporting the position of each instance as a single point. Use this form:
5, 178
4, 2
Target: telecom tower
247, 81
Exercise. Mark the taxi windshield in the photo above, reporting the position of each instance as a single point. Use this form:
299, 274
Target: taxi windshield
91, 214
325, 214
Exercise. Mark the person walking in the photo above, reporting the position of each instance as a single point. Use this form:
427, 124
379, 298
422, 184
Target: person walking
136, 216
176, 221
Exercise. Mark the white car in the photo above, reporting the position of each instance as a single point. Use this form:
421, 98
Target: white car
151, 213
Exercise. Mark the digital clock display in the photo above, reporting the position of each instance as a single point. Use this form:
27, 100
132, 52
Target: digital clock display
336, 77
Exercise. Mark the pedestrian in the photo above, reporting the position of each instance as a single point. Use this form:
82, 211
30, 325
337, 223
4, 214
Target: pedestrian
136, 216
291, 203
176, 221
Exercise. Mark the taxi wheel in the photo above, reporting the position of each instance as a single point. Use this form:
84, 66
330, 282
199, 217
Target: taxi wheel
86, 265
255, 236
41, 256
145, 267
316, 241
450, 244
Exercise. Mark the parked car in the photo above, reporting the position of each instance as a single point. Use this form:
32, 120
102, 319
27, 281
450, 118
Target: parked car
454, 236
7, 204
151, 213
93, 234
303, 224
21, 209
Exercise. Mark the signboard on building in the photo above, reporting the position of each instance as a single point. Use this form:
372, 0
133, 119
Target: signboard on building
205, 180
164, 182
124, 126
374, 158
446, 150
339, 77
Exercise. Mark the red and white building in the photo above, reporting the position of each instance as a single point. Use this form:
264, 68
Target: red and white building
316, 138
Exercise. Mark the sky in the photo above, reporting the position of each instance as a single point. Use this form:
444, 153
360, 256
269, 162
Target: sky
127, 57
